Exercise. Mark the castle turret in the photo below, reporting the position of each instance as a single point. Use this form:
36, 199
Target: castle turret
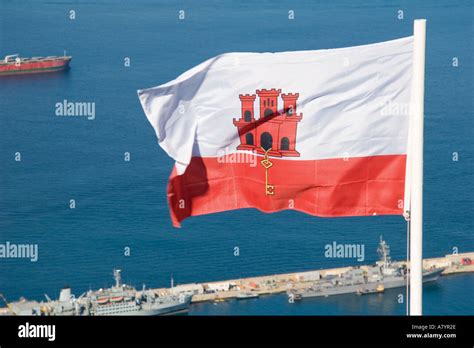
247, 107
289, 103
268, 102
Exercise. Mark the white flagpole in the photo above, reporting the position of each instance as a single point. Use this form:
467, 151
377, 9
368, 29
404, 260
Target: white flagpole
416, 215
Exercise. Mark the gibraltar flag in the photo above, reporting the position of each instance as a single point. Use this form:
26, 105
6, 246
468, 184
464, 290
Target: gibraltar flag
323, 132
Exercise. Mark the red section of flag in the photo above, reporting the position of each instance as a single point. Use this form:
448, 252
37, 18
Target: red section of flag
326, 188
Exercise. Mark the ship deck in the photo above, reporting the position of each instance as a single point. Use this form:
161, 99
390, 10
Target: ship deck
36, 60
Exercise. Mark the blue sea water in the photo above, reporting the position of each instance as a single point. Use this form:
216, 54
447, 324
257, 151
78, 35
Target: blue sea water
123, 204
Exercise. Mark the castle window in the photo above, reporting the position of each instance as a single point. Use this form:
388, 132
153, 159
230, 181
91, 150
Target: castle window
268, 112
290, 110
266, 141
247, 116
272, 102
285, 144
249, 138
265, 103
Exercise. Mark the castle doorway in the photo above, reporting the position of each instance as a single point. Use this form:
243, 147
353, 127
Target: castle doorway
266, 141
268, 112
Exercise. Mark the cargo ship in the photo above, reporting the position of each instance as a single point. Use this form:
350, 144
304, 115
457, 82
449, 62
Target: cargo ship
14, 65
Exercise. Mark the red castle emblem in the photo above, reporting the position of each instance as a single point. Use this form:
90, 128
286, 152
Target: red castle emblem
274, 132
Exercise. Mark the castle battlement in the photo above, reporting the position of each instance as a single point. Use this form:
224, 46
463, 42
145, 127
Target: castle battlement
290, 95
268, 92
247, 97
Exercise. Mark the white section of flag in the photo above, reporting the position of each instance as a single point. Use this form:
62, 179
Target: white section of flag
354, 101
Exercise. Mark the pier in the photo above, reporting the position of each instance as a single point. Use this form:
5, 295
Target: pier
280, 283
264, 285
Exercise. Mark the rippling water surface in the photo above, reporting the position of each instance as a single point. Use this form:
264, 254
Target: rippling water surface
123, 204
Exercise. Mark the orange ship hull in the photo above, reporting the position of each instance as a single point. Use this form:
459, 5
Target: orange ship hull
34, 65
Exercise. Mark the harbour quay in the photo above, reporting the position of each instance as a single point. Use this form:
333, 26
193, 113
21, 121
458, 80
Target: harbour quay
123, 299
280, 283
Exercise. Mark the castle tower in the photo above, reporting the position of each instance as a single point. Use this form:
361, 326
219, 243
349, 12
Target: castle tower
247, 132
287, 131
247, 101
289, 103
268, 102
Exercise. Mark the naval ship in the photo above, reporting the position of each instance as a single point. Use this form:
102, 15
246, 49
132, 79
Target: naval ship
120, 299
375, 279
